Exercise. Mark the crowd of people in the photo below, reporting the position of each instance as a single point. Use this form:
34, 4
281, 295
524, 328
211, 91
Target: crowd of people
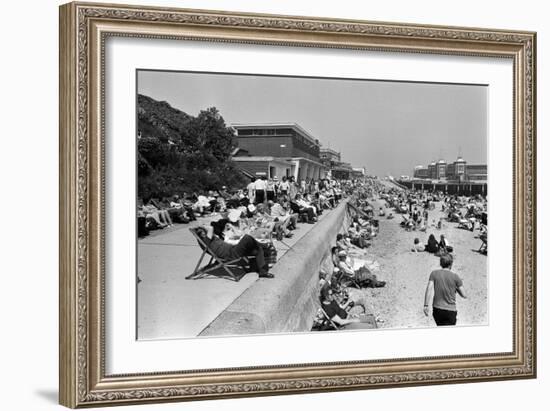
350, 270
416, 207
268, 198
243, 222
468, 213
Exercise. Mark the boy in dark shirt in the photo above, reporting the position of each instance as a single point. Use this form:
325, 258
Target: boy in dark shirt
444, 285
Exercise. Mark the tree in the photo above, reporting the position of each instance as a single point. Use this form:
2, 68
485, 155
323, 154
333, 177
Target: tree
180, 153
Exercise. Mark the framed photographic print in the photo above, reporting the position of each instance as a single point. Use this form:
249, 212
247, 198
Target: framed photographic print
259, 204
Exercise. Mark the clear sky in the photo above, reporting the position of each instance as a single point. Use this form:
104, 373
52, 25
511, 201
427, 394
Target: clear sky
388, 127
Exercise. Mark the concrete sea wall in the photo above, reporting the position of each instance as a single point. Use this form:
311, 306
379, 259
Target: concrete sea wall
289, 302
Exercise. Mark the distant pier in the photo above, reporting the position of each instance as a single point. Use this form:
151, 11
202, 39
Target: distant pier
450, 187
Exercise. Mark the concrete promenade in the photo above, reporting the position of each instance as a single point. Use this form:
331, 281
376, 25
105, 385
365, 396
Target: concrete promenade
289, 302
169, 306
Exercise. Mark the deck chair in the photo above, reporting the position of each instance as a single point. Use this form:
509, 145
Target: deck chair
464, 224
328, 321
364, 324
303, 216
483, 247
233, 269
348, 281
358, 211
344, 279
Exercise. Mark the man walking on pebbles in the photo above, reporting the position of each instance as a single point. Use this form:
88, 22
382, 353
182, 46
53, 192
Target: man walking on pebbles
443, 284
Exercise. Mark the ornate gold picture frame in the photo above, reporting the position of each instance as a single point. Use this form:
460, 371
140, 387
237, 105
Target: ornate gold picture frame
84, 30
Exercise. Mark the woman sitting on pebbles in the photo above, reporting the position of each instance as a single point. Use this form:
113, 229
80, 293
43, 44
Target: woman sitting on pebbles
444, 246
432, 246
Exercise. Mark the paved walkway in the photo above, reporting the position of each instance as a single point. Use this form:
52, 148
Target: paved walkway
168, 305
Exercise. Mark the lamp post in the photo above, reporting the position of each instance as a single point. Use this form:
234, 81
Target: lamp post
281, 146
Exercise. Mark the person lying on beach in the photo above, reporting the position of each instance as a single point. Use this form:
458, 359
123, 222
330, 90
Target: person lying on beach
422, 225
417, 247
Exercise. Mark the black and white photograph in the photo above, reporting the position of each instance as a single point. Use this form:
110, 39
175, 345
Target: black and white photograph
275, 204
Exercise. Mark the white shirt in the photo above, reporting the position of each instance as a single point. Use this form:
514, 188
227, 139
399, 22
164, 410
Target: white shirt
250, 188
277, 210
303, 203
260, 184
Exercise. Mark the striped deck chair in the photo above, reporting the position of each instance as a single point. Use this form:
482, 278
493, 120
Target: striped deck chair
233, 269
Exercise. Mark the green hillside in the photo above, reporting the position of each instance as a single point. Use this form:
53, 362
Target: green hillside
179, 153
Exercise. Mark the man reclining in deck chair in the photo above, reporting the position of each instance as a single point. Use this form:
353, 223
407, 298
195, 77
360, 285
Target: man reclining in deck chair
247, 246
